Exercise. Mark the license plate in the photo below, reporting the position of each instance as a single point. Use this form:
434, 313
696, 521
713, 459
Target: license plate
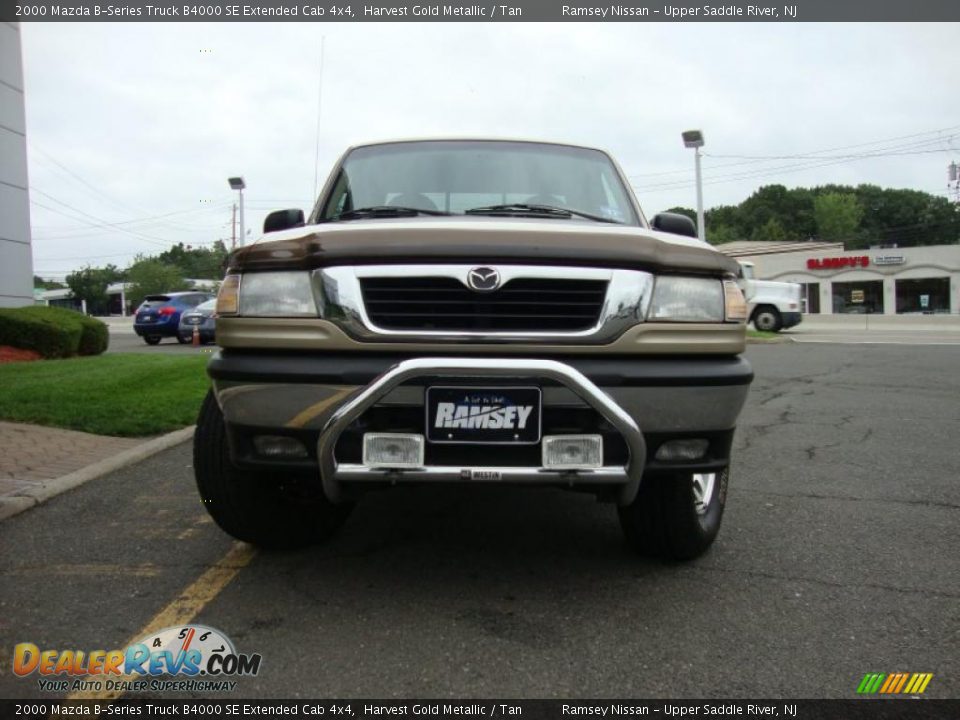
148, 318
505, 415
194, 321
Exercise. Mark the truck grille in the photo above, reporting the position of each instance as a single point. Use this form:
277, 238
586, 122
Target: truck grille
521, 305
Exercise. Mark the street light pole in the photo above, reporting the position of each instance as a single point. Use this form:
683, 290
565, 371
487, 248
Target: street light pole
243, 236
237, 183
694, 139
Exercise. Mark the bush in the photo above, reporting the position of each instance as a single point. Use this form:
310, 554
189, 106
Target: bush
53, 332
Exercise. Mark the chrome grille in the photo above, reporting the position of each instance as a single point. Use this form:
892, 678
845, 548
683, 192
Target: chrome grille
521, 304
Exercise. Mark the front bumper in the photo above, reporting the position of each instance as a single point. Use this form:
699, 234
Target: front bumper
790, 319
323, 400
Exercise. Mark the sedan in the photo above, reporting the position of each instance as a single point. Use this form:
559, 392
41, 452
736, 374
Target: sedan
203, 318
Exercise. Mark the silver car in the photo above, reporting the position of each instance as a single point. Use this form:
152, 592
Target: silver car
203, 318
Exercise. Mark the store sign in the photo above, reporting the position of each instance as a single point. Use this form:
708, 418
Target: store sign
837, 263
889, 260
856, 296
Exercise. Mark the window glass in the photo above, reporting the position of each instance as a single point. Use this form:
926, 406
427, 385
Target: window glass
455, 176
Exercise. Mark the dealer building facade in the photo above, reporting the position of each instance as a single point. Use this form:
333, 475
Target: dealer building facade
889, 281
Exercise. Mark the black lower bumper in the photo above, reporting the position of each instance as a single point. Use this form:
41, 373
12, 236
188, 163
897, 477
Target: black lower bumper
353, 369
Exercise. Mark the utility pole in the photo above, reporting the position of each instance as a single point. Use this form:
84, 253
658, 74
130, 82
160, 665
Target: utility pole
953, 181
233, 229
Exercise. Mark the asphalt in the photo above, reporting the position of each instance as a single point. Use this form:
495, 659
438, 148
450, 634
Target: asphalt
837, 557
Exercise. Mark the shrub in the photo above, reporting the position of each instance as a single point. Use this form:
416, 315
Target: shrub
48, 337
53, 332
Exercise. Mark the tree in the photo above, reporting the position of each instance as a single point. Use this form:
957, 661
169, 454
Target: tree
770, 231
149, 276
837, 216
90, 284
199, 263
720, 234
39, 282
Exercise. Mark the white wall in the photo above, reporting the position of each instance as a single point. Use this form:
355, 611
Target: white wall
16, 259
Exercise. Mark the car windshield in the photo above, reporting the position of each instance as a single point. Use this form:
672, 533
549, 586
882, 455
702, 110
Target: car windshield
208, 305
486, 177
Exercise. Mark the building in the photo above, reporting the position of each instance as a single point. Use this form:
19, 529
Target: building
890, 281
116, 296
16, 259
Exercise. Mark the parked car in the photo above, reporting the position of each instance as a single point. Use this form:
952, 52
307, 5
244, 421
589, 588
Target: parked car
204, 318
159, 315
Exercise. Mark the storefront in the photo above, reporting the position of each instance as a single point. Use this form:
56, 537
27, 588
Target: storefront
889, 281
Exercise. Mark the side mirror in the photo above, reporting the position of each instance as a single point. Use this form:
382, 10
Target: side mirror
283, 220
675, 223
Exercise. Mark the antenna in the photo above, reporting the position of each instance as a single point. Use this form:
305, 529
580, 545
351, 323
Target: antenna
316, 153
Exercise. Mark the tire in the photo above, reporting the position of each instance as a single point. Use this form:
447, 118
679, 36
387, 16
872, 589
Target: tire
767, 318
152, 339
182, 340
271, 510
666, 521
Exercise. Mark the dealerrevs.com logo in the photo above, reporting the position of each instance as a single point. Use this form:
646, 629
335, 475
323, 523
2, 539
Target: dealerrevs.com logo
184, 658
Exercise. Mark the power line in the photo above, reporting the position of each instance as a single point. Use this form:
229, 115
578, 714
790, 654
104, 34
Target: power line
100, 222
816, 152
136, 221
760, 172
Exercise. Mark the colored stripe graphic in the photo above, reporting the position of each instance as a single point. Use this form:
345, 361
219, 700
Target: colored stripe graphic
894, 683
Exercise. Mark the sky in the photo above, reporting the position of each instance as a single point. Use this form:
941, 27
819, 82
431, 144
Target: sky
133, 129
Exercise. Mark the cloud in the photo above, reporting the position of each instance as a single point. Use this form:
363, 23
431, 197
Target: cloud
155, 117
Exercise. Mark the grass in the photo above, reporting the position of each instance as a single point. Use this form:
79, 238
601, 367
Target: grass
763, 335
128, 395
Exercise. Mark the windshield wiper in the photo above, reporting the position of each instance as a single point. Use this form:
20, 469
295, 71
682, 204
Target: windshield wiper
384, 211
535, 210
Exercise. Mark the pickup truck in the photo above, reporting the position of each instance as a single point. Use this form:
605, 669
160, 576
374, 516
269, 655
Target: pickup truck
772, 306
474, 311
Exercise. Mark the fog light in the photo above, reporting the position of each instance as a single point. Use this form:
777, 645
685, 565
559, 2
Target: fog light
278, 446
572, 452
683, 449
392, 450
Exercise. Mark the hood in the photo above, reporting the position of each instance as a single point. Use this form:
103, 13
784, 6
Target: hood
480, 240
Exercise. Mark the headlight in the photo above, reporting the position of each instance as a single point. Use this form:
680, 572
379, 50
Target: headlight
687, 299
267, 294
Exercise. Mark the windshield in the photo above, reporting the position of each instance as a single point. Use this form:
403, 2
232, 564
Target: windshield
452, 177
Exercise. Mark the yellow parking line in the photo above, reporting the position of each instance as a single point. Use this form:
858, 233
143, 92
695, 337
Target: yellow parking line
184, 608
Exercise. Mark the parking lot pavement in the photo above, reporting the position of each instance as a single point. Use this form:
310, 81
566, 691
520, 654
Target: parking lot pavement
837, 557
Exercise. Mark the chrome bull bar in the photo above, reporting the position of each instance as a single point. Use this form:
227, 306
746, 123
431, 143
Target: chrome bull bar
333, 473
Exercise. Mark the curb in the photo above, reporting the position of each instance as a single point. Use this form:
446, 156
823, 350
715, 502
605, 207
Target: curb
11, 505
768, 341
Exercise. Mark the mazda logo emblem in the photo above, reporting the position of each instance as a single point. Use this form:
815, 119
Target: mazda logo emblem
483, 279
